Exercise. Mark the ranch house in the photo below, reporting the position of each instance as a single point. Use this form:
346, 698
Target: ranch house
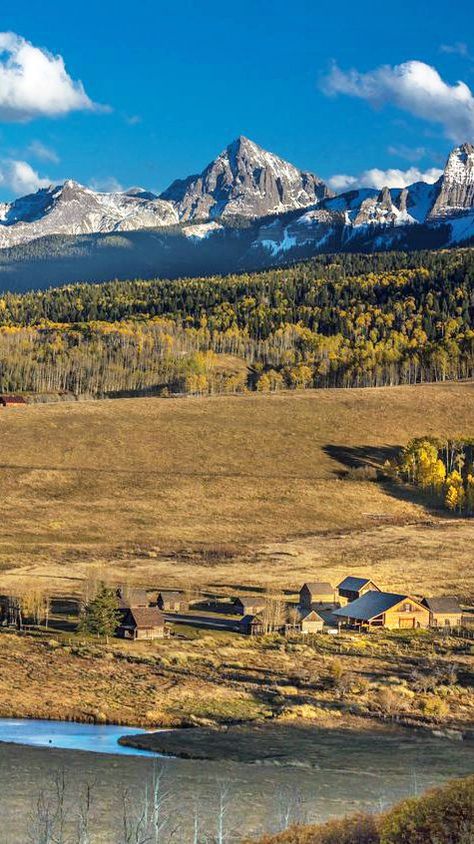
384, 609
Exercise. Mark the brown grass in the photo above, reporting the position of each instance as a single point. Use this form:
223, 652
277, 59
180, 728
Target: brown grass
228, 490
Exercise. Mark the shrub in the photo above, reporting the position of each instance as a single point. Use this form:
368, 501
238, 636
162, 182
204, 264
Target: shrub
362, 473
444, 815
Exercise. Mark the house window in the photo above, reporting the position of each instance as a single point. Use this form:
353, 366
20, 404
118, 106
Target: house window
447, 622
407, 607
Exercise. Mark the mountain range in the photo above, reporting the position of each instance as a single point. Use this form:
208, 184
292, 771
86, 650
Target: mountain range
247, 209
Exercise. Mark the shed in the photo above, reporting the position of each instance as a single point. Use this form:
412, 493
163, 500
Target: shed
7, 401
384, 609
171, 601
444, 611
312, 622
352, 588
316, 592
251, 625
249, 606
142, 623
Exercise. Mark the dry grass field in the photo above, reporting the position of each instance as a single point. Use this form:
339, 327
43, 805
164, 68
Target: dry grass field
228, 491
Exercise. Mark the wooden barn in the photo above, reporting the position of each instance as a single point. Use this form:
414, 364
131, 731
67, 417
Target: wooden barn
317, 592
142, 623
444, 611
10, 401
352, 588
249, 606
384, 609
170, 601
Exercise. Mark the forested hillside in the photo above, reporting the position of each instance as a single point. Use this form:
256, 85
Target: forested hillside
344, 321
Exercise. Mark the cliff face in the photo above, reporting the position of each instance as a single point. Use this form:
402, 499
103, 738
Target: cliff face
456, 186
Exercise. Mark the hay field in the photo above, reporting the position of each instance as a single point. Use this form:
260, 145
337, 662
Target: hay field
228, 490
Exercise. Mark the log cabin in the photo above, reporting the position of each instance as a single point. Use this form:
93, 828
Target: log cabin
142, 623
384, 609
251, 625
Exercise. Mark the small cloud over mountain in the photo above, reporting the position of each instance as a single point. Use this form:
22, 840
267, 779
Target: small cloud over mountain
34, 83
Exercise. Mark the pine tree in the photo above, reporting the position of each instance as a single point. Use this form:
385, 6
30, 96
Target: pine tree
101, 616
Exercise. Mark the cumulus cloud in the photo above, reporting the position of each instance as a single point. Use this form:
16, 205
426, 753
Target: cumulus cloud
34, 83
414, 87
379, 179
20, 177
43, 153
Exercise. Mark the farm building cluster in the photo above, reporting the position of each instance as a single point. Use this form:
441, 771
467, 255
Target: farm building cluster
356, 603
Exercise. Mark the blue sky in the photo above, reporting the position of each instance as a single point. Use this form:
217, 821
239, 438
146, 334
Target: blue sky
180, 80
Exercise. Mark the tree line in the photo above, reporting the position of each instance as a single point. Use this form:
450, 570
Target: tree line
334, 321
444, 467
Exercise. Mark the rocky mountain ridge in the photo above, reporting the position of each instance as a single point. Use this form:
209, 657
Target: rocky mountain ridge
248, 209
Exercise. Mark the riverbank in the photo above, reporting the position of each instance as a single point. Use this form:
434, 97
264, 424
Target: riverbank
301, 745
216, 680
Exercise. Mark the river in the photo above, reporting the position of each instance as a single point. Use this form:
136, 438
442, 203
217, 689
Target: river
355, 772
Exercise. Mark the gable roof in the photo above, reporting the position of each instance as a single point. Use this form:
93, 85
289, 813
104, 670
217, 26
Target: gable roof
312, 615
322, 587
371, 605
354, 583
147, 616
170, 595
445, 604
250, 601
131, 597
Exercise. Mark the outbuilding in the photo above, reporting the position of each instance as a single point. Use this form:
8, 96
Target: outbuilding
444, 611
8, 401
352, 588
384, 609
249, 606
311, 622
316, 592
171, 601
251, 625
142, 623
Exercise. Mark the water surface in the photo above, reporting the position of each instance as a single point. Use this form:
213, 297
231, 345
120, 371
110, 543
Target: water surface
68, 735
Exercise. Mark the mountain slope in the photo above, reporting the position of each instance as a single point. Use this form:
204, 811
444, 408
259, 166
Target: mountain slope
245, 180
73, 209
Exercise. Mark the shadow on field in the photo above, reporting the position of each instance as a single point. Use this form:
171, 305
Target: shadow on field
355, 457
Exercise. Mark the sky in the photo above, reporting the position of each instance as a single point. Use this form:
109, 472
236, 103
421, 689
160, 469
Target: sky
116, 94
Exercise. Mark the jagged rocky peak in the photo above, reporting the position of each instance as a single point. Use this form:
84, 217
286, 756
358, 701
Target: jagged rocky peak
456, 186
245, 180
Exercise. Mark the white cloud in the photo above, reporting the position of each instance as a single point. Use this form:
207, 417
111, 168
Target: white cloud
379, 179
457, 49
414, 87
34, 83
20, 177
42, 152
106, 184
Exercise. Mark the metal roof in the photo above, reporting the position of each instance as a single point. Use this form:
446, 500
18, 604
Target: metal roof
170, 595
445, 604
371, 605
354, 583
